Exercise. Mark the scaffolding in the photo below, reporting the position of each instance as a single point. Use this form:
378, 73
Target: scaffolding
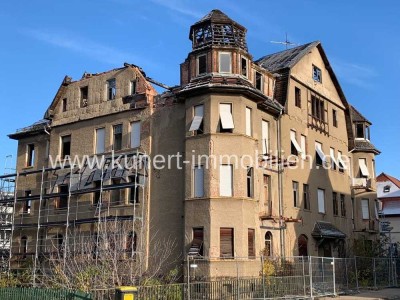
57, 212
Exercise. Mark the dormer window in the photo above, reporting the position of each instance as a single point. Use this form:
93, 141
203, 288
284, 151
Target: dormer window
258, 81
317, 76
386, 189
360, 131
244, 67
201, 64
225, 62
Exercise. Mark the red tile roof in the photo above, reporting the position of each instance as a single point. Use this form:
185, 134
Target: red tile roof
386, 177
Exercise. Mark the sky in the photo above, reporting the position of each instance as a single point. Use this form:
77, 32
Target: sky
42, 41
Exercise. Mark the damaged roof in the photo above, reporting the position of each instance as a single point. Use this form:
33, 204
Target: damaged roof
36, 127
365, 146
326, 230
356, 116
285, 59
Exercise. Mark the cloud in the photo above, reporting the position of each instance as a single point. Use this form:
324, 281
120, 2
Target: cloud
179, 7
84, 46
355, 74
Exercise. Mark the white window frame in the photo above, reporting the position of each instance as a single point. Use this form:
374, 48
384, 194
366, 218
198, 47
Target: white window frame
135, 130
225, 113
198, 115
321, 201
226, 180
100, 145
220, 54
249, 130
362, 162
198, 181
265, 136
365, 209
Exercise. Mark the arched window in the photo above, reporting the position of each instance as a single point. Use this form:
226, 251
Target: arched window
303, 245
24, 246
268, 244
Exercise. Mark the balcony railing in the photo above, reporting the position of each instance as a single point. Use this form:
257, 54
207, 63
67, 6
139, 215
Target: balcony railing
361, 183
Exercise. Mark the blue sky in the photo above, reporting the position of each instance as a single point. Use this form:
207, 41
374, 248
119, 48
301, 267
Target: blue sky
42, 41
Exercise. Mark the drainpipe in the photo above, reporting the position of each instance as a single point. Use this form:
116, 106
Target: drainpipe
280, 184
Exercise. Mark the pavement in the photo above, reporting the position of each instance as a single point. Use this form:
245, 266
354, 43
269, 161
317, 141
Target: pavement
385, 294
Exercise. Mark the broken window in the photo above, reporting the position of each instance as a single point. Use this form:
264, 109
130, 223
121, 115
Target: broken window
248, 121
84, 96
198, 182
100, 140
258, 81
268, 244
334, 118
302, 244
363, 167
244, 66
226, 118
306, 196
65, 146
197, 124
225, 62
343, 205
249, 183
64, 104
251, 243
297, 97
335, 204
133, 87
111, 89
28, 203
296, 201
317, 108
63, 191
196, 248
365, 209
117, 137
360, 131
320, 157
321, 201
134, 190
30, 155
295, 148
226, 180
265, 136
135, 134
317, 76
226, 242
202, 64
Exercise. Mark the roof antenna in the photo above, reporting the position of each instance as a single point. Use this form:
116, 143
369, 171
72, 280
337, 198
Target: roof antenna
286, 42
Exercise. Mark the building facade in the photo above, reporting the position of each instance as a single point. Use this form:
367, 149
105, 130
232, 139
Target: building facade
275, 161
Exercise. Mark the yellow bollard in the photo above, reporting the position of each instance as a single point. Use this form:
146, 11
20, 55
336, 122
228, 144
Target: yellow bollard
126, 293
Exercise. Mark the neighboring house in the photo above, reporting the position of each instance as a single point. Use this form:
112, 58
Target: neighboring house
388, 189
287, 105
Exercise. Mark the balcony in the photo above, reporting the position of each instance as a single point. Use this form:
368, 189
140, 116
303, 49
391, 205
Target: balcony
362, 183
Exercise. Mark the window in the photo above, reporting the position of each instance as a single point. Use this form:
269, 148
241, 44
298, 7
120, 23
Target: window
28, 203
135, 134
115, 197
24, 246
317, 76
134, 190
225, 62
363, 167
201, 64
335, 204
297, 97
197, 125
250, 180
198, 181
30, 155
248, 121
343, 205
360, 132
267, 193
133, 87
306, 196
317, 108
111, 89
265, 137
295, 148
226, 242
225, 181
251, 243
268, 244
295, 186
244, 66
65, 146
365, 209
342, 165
303, 146
334, 118
117, 137
64, 104
321, 201
97, 192
320, 158
198, 241
386, 188
258, 81
100, 140
63, 191
84, 96
334, 163
226, 118
302, 244
131, 243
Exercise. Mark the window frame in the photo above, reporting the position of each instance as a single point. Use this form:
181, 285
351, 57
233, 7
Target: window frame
258, 81
198, 181
321, 201
84, 96
228, 181
335, 204
306, 197
363, 213
227, 235
63, 153
316, 74
114, 137
251, 243
133, 87
198, 64
197, 125
64, 105
334, 118
297, 97
97, 140
249, 121
220, 54
135, 134
226, 117
295, 189
343, 210
245, 68
265, 137
30, 155
111, 89
250, 182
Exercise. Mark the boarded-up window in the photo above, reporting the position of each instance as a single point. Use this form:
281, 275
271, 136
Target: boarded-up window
226, 242
225, 180
265, 136
321, 201
100, 140
251, 243
198, 181
135, 134
248, 121
302, 243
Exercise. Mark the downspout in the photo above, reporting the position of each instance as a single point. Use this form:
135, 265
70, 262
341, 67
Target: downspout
280, 183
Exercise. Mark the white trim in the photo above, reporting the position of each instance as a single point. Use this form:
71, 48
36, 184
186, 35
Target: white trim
363, 166
321, 200
340, 160
248, 121
196, 123
332, 157
225, 180
303, 145
265, 136
230, 62
321, 154
294, 141
135, 134
225, 113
